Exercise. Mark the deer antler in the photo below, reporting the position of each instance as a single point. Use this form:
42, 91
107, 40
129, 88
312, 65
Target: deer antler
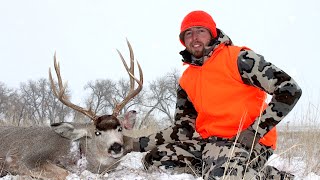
61, 93
133, 92
88, 112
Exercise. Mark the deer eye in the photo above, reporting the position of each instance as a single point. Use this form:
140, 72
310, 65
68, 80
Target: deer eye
120, 129
97, 133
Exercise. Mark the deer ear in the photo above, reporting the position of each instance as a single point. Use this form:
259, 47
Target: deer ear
128, 120
68, 131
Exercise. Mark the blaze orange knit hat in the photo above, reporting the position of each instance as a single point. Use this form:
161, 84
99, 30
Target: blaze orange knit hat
197, 18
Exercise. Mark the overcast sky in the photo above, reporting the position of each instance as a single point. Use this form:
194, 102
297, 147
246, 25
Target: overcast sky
86, 33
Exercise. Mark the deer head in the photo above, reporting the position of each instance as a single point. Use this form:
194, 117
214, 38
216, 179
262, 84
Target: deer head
104, 123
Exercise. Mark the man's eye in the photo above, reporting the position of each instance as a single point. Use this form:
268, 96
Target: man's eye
201, 31
188, 33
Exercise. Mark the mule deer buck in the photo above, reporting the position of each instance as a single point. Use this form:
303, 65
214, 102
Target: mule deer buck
53, 152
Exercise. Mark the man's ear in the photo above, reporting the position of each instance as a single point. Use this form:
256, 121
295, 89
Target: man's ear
214, 40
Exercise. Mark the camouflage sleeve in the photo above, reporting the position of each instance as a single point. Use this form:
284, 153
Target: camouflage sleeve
182, 129
285, 92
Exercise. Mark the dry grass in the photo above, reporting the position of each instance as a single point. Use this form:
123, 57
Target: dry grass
305, 146
302, 138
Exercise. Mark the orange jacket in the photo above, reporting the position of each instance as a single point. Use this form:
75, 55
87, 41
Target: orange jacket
223, 102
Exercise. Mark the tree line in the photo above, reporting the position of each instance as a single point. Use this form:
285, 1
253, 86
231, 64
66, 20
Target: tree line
34, 104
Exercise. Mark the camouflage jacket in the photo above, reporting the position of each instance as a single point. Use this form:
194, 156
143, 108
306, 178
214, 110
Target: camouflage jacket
255, 71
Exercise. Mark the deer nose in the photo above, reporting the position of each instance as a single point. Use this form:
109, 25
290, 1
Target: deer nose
116, 148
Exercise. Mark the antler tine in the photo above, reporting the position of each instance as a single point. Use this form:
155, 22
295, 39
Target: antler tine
133, 92
131, 64
61, 95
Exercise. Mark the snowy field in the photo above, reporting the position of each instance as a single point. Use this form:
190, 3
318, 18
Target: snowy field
131, 168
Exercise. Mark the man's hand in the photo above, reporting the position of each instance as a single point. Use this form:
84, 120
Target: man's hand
247, 138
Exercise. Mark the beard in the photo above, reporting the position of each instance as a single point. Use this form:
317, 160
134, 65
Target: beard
197, 52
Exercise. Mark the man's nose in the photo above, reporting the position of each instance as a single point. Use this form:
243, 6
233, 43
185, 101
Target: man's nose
194, 35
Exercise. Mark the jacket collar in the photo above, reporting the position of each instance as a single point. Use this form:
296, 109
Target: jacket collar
222, 38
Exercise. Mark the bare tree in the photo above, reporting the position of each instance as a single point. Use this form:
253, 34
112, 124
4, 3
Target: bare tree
104, 95
57, 111
31, 97
173, 81
40, 106
34, 102
14, 111
101, 95
4, 98
163, 96
122, 88
11, 107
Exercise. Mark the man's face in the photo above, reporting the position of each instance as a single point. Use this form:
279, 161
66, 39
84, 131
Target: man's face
196, 39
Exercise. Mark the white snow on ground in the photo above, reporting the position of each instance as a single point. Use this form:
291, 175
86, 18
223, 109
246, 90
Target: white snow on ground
131, 168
